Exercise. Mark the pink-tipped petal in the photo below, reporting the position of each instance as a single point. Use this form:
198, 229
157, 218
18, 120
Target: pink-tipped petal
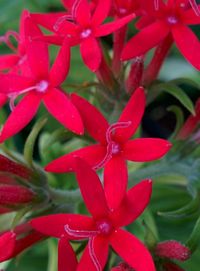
91, 189
66, 256
7, 245
37, 51
134, 203
3, 99
20, 116
8, 61
93, 155
82, 12
188, 44
14, 83
149, 37
145, 149
94, 122
133, 112
115, 181
95, 255
132, 250
60, 106
54, 225
91, 53
109, 28
61, 65
101, 12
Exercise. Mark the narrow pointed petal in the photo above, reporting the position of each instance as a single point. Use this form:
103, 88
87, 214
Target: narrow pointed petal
132, 250
115, 181
60, 106
61, 65
13, 83
95, 255
132, 112
189, 17
101, 12
109, 28
134, 203
48, 20
7, 245
20, 116
145, 149
91, 189
8, 61
66, 256
188, 44
3, 99
37, 51
91, 53
22, 42
82, 13
93, 155
54, 225
149, 37
94, 122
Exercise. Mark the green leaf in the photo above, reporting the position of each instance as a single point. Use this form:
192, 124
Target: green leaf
194, 240
179, 119
178, 93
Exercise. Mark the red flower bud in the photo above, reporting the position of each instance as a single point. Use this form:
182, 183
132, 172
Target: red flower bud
15, 194
168, 266
7, 244
173, 250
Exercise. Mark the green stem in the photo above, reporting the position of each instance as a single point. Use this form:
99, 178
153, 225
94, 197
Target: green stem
65, 197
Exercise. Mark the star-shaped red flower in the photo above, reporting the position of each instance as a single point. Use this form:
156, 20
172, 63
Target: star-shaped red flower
103, 227
84, 27
42, 85
171, 18
115, 145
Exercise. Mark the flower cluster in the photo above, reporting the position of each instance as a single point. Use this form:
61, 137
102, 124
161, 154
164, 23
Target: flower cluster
30, 76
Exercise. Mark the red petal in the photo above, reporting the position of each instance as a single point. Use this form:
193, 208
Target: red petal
134, 203
48, 20
3, 99
8, 61
98, 251
66, 256
91, 189
91, 53
93, 155
132, 251
61, 65
115, 181
132, 112
54, 225
189, 17
101, 12
82, 13
37, 51
145, 40
93, 120
13, 83
22, 43
21, 116
7, 245
109, 28
145, 149
60, 106
188, 44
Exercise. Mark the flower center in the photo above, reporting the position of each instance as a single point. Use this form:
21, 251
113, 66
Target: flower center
116, 149
104, 227
122, 11
172, 19
86, 33
42, 86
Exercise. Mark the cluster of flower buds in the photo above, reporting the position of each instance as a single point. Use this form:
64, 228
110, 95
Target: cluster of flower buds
27, 79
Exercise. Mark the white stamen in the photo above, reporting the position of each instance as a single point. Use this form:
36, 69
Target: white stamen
93, 255
195, 7
86, 33
42, 86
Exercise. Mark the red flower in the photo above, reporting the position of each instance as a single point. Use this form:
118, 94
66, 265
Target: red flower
114, 147
167, 19
103, 229
84, 28
42, 85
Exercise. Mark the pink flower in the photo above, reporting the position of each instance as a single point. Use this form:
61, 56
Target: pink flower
84, 28
42, 86
114, 145
169, 18
103, 227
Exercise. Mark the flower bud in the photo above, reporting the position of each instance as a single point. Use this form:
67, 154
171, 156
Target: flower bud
169, 266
